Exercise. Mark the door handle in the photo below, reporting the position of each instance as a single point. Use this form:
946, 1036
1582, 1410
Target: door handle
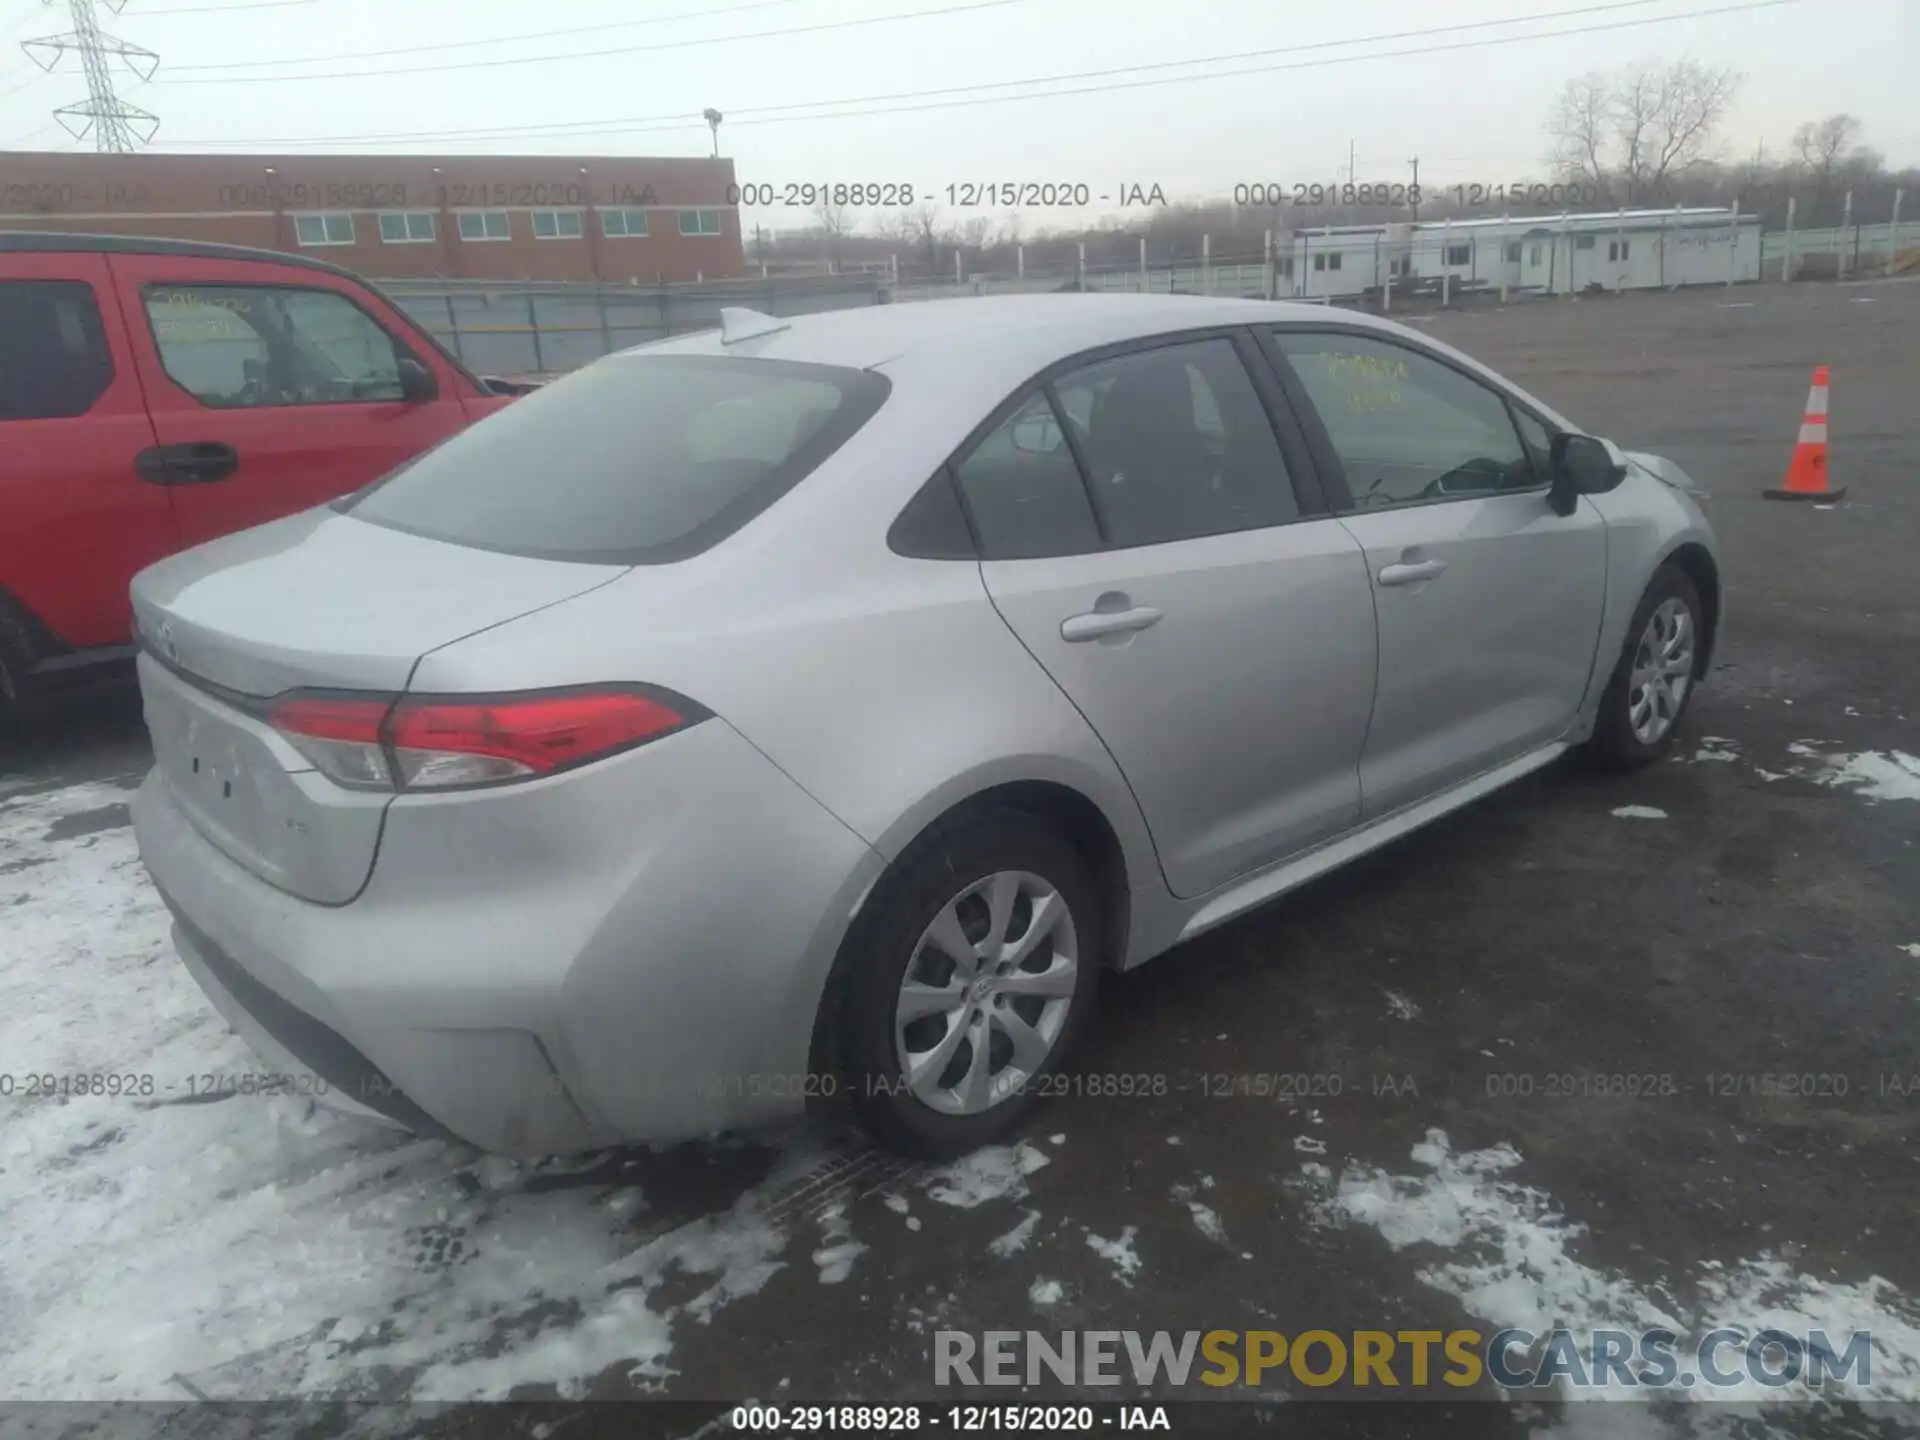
1409, 574
1096, 623
199, 463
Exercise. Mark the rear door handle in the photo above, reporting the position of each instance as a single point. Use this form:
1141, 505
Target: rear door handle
199, 463
1096, 623
1408, 574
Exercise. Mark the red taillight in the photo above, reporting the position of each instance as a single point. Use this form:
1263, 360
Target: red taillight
340, 734
324, 717
443, 741
540, 733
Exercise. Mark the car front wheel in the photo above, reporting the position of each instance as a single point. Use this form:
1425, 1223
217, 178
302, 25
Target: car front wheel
972, 981
1655, 676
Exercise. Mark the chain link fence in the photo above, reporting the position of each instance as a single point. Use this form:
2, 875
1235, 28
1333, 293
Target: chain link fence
531, 330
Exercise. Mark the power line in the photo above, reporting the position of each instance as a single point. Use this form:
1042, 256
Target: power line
228, 9
675, 121
12, 90
783, 114
388, 74
474, 44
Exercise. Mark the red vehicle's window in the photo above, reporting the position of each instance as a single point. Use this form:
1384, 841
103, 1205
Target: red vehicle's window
54, 359
239, 346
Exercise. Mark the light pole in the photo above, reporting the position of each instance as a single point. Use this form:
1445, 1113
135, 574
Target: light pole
714, 117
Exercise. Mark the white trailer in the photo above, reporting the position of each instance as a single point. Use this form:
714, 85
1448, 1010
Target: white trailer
1549, 254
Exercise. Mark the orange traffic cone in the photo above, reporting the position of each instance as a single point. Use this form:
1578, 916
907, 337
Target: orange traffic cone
1807, 472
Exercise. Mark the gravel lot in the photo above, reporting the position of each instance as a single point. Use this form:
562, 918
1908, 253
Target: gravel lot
1462, 1011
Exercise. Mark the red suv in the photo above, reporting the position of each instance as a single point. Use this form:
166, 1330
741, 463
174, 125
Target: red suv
158, 393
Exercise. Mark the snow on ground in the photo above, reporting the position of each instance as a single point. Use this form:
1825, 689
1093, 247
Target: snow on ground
1874, 774
1015, 1240
1400, 1006
998, 1172
1205, 1218
1640, 812
838, 1249
1508, 1254
260, 1246
1118, 1253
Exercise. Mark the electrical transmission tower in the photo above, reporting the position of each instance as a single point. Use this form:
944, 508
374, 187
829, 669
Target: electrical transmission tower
118, 128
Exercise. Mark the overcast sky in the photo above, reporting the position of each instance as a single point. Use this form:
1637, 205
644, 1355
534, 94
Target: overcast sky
1473, 114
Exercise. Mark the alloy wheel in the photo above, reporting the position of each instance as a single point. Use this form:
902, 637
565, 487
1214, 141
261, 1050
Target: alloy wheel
1662, 671
986, 993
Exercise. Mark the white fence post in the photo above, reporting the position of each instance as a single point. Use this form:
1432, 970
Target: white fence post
1506, 230
1446, 263
1846, 224
1080, 267
1020, 261
1206, 264
1733, 245
1786, 261
1145, 283
1893, 231
958, 276
1270, 282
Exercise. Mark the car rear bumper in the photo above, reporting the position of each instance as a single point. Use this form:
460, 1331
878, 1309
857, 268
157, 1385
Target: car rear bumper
632, 951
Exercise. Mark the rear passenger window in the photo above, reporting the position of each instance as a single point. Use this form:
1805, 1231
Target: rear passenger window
240, 346
1024, 491
54, 360
1177, 445
637, 460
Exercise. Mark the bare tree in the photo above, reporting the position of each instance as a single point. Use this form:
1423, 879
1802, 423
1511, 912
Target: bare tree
921, 228
1581, 128
834, 224
1821, 145
1665, 116
1638, 130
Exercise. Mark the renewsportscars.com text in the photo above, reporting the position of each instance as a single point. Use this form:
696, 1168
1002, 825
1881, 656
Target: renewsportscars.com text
1512, 1359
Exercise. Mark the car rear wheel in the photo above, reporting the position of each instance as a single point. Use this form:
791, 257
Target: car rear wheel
16, 654
973, 978
1655, 676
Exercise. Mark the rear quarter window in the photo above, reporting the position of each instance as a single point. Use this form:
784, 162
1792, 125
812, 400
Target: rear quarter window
635, 460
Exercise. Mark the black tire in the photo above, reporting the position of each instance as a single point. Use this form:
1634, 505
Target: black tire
936, 869
17, 654
1613, 745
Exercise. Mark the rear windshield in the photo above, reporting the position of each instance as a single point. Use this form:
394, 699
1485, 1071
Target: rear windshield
635, 460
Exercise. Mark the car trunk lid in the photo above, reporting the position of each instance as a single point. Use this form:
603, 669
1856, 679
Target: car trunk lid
317, 601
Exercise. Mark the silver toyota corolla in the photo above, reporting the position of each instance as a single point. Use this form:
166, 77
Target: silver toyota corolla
807, 713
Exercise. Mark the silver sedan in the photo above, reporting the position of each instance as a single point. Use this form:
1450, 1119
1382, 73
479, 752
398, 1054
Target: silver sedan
806, 714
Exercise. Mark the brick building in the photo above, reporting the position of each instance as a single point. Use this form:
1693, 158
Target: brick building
461, 217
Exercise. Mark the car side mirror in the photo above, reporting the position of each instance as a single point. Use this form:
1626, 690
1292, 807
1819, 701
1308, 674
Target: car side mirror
417, 385
1582, 465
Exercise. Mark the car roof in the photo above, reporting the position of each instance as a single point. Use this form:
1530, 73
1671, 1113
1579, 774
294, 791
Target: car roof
62, 243
59, 242
1026, 330
976, 351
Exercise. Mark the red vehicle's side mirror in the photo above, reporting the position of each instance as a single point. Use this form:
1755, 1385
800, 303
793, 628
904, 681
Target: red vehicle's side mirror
417, 385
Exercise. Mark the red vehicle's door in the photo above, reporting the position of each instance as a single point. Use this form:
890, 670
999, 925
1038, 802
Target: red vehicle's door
76, 517
274, 388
